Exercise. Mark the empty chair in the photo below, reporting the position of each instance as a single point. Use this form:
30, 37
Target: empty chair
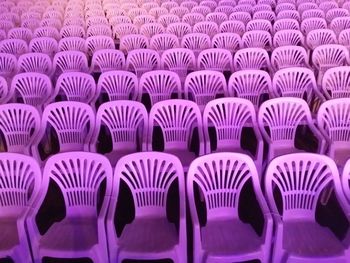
143, 19
281, 117
151, 29
71, 43
32, 88
126, 122
134, 12
289, 56
259, 24
203, 86
76, 86
329, 56
16, 47
95, 43
179, 11
8, 66
150, 175
31, 23
107, 60
160, 85
257, 39
221, 178
20, 33
158, 11
236, 27
116, 20
261, 7
179, 29
6, 25
20, 184
132, 42
96, 20
284, 6
142, 60
203, 10
99, 30
335, 83
344, 38
169, 4
304, 6
118, 85
19, 124
46, 45
319, 37
196, 42
226, 9
123, 29
229, 41
35, 62
333, 120
193, 18
70, 61
206, 27
80, 192
286, 24
244, 17
74, 21
47, 32
215, 59
162, 42
338, 24
51, 22
189, 4
168, 19
313, 13
310, 24
300, 179
250, 84
217, 17
268, 16
336, 12
288, 38
177, 120
289, 14
251, 58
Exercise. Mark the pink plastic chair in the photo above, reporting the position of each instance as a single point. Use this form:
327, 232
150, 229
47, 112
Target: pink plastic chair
288, 38
158, 11
30, 23
107, 60
310, 24
20, 33
206, 27
229, 41
33, 88
4, 91
177, 120
8, 66
35, 62
259, 25
47, 32
189, 4
304, 6
143, 19
203, 10
20, 184
149, 175
150, 5
284, 6
169, 4
243, 8
74, 21
179, 11
215, 59
196, 42
313, 13
51, 22
142, 60
6, 25
179, 29
338, 24
281, 117
203, 86
99, 30
81, 193
265, 15
162, 42
251, 58
46, 45
95, 43
134, 12
133, 42
217, 17
288, 57
261, 7
71, 44
335, 83
220, 178
19, 124
96, 20
116, 20
123, 29
193, 18
3, 35
286, 24
244, 17
226, 9
236, 27
249, 84
151, 29
300, 179
70, 61
227, 3
16, 47
336, 12
257, 39
319, 37
289, 14
344, 38
77, 86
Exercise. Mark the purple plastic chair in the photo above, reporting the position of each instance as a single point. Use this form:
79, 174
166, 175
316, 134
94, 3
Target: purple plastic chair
300, 179
8, 66
203, 10
304, 6
203, 86
336, 12
158, 11
220, 177
281, 117
206, 27
71, 44
251, 58
123, 29
74, 21
177, 120
35, 62
261, 7
20, 184
344, 38
20, 33
142, 60
107, 60
116, 20
226, 9
196, 42
151, 29
179, 11
133, 42
215, 59
80, 190
217, 17
6, 25
179, 29
288, 38
257, 39
51, 22
249, 84
169, 4
168, 19
46, 45
150, 5
286, 24
193, 18
243, 8
143, 19
233, 26
31, 23
289, 14
127, 123
16, 47
150, 235
338, 24
70, 61
99, 30
134, 12
228, 41
319, 37
313, 13
244, 17
264, 15
95, 43
189, 4
260, 25
4, 91
335, 83
2, 35
19, 124
288, 57
159, 85
47, 32
310, 24
119, 85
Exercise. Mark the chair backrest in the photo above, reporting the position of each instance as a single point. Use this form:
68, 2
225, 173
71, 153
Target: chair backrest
288, 14
80, 188
132, 42
46, 45
20, 33
268, 16
162, 42
215, 59
336, 82
119, 85
288, 37
72, 31
35, 62
251, 58
20, 124
206, 27
179, 29
257, 39
72, 44
286, 24
217, 17
73, 123
47, 32
338, 24
344, 38
232, 26
300, 178
107, 60
151, 29
99, 30
289, 56
70, 61
259, 24
142, 60
168, 19
313, 23
336, 12
319, 37
8, 65
193, 18
16, 47
123, 29
328, 56
95, 43
313, 13
143, 19
242, 16
203, 10
229, 41
196, 42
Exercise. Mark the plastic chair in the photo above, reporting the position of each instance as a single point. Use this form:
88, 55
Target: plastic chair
114, 21
71, 44
220, 178
70, 61
168, 19
336, 12
158, 11
160, 85
35, 62
335, 83
179, 29
47, 32
142, 60
288, 38
151, 29
206, 27
74, 21
179, 11
143, 19
313, 13
243, 8
31, 24
134, 12
80, 192
169, 4
189, 4
217, 17
20, 33
162, 42
203, 10
16, 47
51, 22
177, 120
249, 84
310, 24
344, 38
226, 9
281, 117
289, 14
229, 41
46, 45
148, 6
119, 85
166, 241
6, 25
307, 6
300, 179
284, 7
265, 15
4, 90
215, 59
251, 58
244, 17
99, 30
107, 60
236, 27
127, 123
133, 42
20, 184
196, 42
319, 37
19, 124
193, 18
95, 43
288, 57
203, 86
257, 39
261, 7
96, 20
8, 66
286, 24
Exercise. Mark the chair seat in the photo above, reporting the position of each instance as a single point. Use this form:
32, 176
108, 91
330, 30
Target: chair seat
71, 234
309, 239
9, 234
148, 235
229, 237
